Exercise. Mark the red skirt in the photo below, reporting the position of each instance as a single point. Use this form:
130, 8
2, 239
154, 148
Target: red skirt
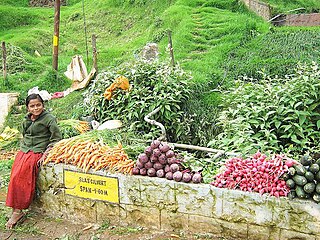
23, 177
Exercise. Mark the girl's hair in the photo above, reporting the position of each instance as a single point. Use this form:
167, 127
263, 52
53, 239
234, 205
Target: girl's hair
33, 96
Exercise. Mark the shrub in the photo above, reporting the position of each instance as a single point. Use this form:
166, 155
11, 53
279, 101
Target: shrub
272, 114
152, 85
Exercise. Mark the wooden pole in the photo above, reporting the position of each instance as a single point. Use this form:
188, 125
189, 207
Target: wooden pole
171, 48
85, 32
4, 62
94, 52
56, 34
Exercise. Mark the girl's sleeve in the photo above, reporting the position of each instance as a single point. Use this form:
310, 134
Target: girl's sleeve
56, 135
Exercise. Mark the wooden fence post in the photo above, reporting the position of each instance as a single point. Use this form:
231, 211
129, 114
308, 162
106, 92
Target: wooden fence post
94, 53
171, 48
4, 62
56, 34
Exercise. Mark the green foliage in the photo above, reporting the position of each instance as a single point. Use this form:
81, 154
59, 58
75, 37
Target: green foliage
200, 115
272, 114
203, 33
153, 85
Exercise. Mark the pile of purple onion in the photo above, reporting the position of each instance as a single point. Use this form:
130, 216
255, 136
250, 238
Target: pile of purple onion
159, 160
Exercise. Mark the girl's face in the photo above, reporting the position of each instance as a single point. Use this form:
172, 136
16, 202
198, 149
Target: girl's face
35, 107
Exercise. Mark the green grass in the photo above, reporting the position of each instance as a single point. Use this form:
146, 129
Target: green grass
275, 53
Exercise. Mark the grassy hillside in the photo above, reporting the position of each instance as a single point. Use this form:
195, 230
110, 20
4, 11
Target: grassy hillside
216, 40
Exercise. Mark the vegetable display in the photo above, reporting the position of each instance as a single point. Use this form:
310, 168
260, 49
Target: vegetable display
86, 154
255, 174
159, 160
73, 127
9, 137
303, 179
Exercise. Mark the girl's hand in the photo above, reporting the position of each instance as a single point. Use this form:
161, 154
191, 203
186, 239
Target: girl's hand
43, 157
40, 161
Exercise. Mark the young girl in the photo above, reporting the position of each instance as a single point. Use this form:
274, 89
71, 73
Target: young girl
40, 131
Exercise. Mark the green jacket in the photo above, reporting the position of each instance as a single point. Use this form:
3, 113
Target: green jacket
39, 134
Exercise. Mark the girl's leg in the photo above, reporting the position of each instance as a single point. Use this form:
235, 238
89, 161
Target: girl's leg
17, 215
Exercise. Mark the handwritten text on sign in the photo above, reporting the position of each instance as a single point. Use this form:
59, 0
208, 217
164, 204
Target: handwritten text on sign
91, 186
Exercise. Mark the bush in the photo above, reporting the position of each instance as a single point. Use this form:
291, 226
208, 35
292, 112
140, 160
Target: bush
152, 85
272, 114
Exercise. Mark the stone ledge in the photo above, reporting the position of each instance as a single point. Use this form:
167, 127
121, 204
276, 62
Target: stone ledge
168, 205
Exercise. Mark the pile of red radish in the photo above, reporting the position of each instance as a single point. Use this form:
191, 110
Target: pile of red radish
159, 160
255, 174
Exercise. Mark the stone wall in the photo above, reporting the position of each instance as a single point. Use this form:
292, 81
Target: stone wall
7, 100
197, 208
260, 8
312, 19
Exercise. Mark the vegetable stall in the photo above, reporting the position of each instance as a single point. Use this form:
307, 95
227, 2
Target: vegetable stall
128, 172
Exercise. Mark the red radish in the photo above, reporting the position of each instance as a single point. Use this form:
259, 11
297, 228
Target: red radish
257, 174
290, 163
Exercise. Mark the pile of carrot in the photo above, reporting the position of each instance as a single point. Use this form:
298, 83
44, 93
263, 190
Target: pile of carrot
86, 154
83, 126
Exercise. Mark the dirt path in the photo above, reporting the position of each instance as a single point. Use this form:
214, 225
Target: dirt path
39, 227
